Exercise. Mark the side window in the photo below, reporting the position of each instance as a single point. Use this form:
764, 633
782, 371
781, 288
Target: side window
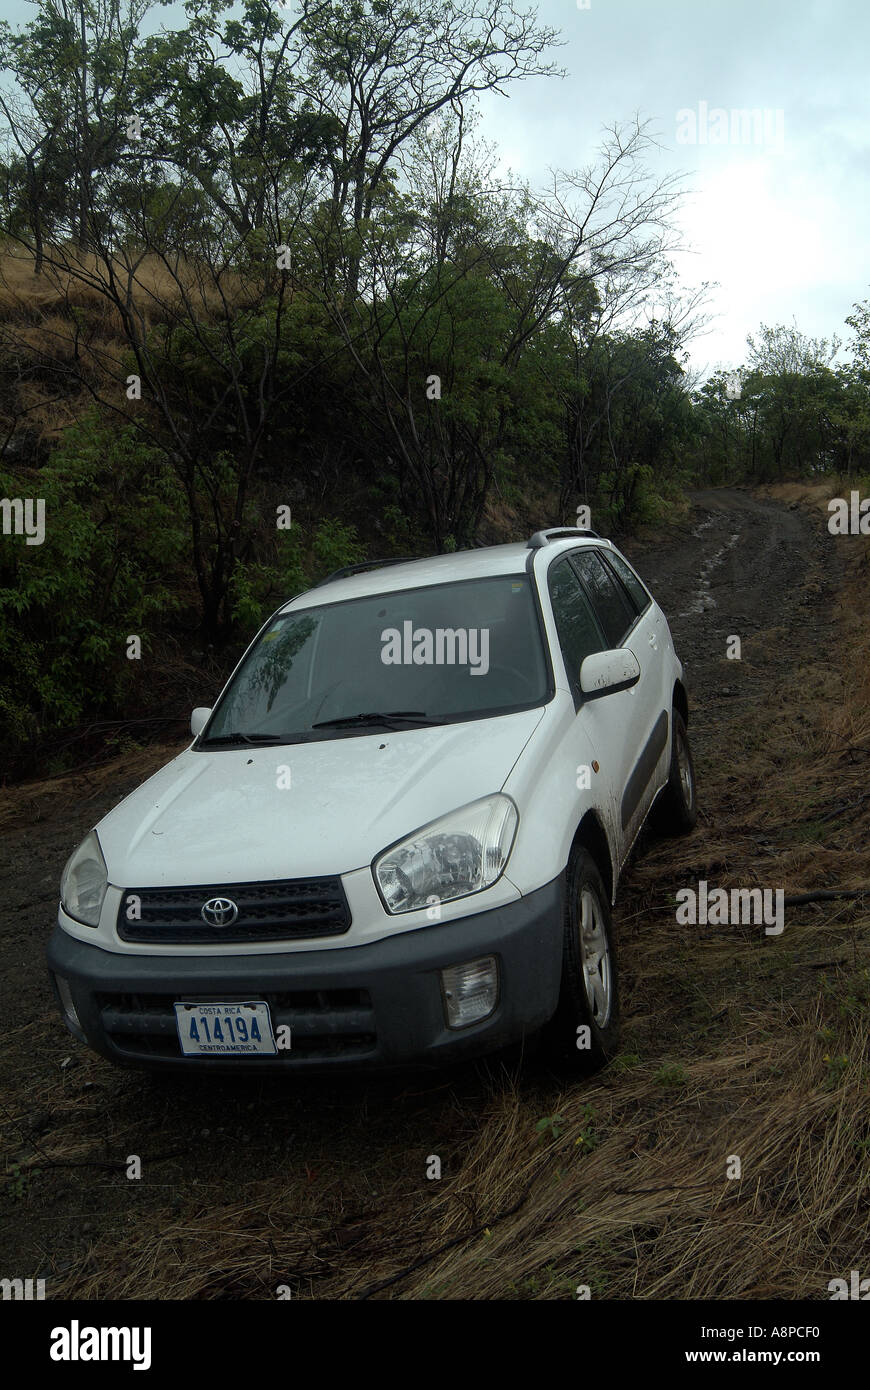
610, 604
639, 596
579, 634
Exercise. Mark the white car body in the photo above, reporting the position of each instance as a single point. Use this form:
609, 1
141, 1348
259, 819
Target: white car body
226, 816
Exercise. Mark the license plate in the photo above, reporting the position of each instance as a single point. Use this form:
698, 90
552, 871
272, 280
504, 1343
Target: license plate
224, 1030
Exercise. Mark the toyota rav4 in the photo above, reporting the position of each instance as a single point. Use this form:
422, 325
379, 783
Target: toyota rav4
397, 836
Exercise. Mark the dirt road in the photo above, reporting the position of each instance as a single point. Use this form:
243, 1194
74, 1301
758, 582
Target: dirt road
739, 569
317, 1176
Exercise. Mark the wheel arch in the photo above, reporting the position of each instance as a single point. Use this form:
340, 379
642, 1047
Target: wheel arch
592, 836
680, 701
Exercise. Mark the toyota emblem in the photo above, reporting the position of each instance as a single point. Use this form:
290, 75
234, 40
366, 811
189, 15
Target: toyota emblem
219, 912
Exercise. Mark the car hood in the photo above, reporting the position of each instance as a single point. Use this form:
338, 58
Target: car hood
223, 816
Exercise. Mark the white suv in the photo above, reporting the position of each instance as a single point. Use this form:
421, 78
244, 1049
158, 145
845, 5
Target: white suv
397, 835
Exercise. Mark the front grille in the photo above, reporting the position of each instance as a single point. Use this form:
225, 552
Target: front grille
324, 1023
279, 910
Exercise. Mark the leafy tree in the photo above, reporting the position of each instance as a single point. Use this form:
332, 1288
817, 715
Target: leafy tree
66, 112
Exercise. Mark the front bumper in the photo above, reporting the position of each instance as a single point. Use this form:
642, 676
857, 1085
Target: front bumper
378, 1005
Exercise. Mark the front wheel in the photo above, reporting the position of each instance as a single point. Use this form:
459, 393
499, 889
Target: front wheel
584, 1029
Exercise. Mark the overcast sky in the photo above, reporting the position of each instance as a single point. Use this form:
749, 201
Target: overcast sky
781, 225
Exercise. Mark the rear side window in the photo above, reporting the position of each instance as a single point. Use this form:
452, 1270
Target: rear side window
610, 603
579, 634
639, 596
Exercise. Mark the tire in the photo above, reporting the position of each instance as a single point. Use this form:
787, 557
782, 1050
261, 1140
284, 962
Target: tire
589, 994
675, 811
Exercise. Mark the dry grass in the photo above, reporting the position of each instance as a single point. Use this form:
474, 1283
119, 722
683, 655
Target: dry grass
66, 333
76, 279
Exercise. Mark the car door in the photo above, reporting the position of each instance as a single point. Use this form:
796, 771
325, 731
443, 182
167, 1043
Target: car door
638, 711
596, 751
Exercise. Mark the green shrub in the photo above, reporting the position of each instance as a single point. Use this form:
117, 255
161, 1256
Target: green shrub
336, 545
105, 571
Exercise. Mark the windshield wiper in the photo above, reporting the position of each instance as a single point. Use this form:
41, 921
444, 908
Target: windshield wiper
242, 738
390, 719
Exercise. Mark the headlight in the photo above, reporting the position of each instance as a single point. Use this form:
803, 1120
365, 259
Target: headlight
462, 853
84, 881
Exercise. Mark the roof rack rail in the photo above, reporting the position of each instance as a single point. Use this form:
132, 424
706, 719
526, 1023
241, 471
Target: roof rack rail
559, 533
365, 565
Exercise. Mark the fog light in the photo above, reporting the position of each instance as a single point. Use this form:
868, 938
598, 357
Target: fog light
470, 991
68, 1008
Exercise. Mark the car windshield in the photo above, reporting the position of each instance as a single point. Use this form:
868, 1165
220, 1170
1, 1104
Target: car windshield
464, 650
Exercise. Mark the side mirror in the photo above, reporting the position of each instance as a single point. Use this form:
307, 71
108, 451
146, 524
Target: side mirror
199, 719
605, 673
